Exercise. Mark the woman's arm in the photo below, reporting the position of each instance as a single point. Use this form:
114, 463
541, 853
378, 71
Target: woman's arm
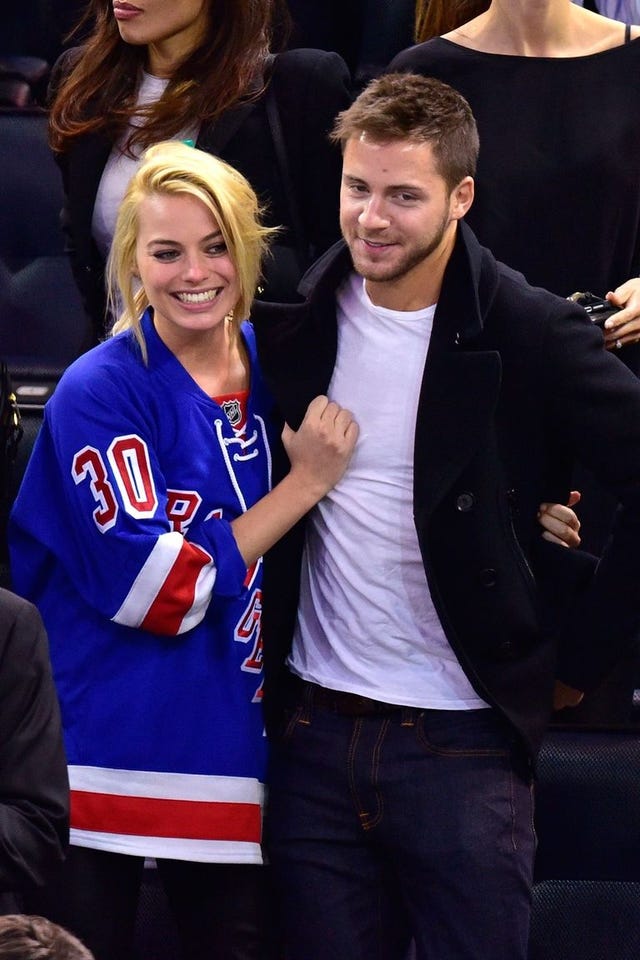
96, 503
319, 452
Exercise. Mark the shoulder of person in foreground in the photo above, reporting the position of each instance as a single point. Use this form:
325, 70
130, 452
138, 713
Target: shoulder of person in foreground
34, 790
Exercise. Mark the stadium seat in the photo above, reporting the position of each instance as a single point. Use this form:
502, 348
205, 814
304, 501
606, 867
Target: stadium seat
42, 320
43, 325
156, 937
586, 898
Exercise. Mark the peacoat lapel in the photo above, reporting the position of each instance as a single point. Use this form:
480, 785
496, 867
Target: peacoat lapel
461, 381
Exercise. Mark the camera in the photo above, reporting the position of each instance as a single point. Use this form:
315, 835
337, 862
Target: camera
597, 308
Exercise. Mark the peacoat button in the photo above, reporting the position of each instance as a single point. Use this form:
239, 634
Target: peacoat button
465, 502
488, 577
506, 647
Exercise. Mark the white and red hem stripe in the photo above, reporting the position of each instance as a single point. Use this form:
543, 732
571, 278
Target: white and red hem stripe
171, 815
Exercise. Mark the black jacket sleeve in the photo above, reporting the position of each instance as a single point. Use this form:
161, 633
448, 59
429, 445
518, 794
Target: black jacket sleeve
34, 790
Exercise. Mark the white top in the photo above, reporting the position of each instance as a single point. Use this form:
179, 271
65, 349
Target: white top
366, 621
120, 167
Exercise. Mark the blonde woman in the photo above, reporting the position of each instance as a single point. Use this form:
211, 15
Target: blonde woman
138, 532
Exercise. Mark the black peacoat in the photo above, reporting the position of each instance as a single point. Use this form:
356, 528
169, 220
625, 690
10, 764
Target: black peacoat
34, 789
516, 386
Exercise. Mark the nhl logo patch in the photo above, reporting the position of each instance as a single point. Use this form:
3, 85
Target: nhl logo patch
233, 411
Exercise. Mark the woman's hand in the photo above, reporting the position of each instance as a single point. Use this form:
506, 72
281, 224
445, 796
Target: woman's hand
321, 448
623, 328
560, 523
318, 452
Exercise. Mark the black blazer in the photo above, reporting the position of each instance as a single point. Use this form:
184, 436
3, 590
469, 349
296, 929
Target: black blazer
310, 88
34, 790
516, 384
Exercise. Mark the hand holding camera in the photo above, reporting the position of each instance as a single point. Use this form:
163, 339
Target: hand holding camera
597, 308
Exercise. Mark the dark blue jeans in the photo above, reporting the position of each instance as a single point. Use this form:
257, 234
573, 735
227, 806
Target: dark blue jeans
407, 825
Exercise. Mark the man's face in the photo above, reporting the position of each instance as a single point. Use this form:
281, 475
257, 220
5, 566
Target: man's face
398, 218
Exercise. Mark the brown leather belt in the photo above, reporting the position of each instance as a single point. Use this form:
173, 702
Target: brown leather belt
347, 704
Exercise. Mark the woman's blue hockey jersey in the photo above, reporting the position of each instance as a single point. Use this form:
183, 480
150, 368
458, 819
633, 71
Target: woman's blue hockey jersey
121, 536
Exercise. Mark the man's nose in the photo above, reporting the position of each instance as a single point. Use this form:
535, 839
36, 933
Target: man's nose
374, 215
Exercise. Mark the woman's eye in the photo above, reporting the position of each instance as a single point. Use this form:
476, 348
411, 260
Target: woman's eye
217, 249
166, 256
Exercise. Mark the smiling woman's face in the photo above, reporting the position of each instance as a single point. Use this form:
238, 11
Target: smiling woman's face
185, 268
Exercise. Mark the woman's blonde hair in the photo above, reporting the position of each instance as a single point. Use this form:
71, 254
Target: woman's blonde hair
172, 168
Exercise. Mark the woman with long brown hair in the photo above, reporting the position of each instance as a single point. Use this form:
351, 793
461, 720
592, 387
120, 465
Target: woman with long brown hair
198, 70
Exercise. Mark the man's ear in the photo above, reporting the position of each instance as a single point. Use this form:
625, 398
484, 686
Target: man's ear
462, 198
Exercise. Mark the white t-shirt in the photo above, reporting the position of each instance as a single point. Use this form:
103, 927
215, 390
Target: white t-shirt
366, 622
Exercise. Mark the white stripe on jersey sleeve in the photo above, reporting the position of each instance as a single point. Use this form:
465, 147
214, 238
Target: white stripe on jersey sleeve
146, 590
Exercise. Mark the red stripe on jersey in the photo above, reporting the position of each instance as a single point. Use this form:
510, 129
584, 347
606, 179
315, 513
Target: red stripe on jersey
175, 598
152, 817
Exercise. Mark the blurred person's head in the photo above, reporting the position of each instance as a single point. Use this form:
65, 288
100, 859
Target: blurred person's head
35, 938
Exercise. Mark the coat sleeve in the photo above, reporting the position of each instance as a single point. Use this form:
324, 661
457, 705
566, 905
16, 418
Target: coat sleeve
594, 407
34, 791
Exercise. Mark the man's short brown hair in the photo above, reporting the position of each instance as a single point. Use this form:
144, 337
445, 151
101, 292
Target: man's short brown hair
407, 106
